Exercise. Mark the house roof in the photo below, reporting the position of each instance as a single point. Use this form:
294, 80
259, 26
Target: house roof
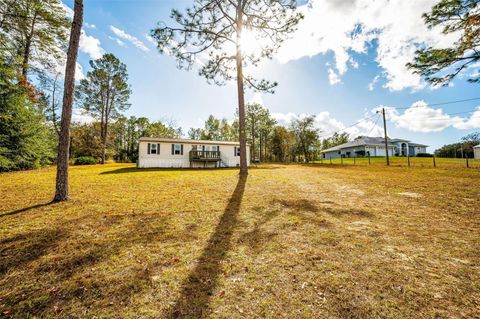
416, 144
478, 146
366, 140
185, 141
359, 142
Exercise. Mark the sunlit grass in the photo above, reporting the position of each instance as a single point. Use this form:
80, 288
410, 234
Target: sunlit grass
291, 241
424, 162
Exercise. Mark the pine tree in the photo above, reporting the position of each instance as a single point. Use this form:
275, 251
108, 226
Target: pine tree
454, 16
219, 32
61, 187
104, 93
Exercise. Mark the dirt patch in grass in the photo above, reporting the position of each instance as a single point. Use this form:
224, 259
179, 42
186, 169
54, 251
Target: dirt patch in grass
289, 241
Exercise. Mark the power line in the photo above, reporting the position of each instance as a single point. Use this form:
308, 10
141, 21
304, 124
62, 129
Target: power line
345, 128
437, 119
436, 104
374, 125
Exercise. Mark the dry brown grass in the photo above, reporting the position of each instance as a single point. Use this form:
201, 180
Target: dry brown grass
290, 241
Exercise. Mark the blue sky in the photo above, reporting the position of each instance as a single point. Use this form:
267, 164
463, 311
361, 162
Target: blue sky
323, 70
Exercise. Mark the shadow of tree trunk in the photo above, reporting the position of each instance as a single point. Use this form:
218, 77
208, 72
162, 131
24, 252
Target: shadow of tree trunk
198, 287
26, 209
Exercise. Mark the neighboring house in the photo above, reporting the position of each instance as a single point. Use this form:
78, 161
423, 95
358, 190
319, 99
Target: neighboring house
374, 146
183, 153
407, 148
476, 152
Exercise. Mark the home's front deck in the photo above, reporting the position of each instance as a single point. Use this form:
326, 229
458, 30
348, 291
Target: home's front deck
204, 156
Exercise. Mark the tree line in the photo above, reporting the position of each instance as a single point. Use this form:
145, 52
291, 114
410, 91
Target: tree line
33, 44
462, 149
269, 141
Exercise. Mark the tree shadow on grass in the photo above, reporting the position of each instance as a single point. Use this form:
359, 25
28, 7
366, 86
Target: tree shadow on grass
198, 287
26, 209
68, 272
165, 169
24, 248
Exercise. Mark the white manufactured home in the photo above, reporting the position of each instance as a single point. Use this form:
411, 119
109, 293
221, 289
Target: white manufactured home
476, 152
184, 153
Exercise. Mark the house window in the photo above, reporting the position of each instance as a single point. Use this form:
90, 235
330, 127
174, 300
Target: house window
153, 149
237, 151
177, 149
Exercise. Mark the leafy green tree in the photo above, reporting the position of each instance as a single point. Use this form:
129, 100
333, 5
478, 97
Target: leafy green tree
229, 132
283, 143
219, 31
84, 140
51, 88
35, 30
104, 93
211, 130
253, 114
461, 149
265, 128
334, 140
215, 129
453, 16
306, 135
25, 140
195, 133
126, 132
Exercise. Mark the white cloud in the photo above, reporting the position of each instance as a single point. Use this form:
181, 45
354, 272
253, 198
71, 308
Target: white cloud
256, 98
333, 77
130, 38
420, 117
90, 26
347, 27
68, 10
79, 75
88, 44
150, 39
118, 41
327, 125
79, 116
371, 85
91, 46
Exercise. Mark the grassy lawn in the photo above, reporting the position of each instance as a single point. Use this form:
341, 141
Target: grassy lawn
289, 241
423, 162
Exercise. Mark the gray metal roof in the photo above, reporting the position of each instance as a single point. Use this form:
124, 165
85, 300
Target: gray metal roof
478, 146
359, 142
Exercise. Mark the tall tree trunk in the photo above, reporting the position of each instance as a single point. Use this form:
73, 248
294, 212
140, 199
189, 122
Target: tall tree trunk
254, 151
104, 142
241, 96
260, 146
54, 115
28, 44
61, 190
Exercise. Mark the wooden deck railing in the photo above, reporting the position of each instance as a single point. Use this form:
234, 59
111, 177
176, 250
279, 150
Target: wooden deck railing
204, 155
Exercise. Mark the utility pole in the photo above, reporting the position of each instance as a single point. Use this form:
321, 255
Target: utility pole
386, 138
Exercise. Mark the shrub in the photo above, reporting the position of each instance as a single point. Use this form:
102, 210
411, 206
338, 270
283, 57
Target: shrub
84, 160
424, 155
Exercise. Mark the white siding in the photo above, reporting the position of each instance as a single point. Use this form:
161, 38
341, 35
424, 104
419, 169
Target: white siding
476, 153
166, 159
380, 151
